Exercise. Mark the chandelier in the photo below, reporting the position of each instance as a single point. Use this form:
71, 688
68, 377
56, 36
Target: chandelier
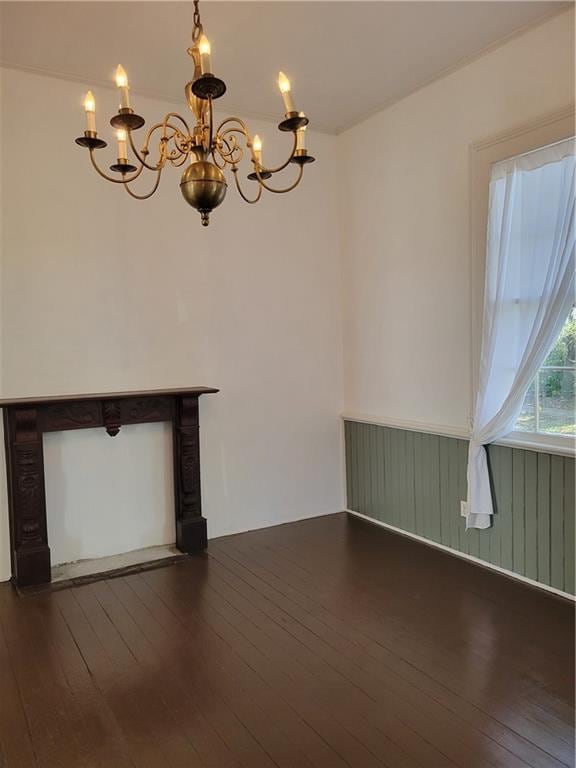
209, 150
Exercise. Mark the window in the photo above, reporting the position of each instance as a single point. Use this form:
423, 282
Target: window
549, 405
549, 427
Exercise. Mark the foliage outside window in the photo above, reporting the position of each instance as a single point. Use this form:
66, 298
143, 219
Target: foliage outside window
549, 406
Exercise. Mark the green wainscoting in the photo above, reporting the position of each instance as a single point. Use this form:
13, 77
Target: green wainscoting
415, 481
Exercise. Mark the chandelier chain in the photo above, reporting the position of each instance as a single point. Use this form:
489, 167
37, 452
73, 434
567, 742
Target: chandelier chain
197, 29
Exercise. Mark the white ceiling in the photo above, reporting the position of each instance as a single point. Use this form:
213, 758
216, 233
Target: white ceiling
346, 59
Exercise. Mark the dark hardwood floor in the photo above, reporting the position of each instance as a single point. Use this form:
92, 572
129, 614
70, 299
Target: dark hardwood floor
329, 642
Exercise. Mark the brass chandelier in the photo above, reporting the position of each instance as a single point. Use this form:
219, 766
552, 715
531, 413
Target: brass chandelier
209, 150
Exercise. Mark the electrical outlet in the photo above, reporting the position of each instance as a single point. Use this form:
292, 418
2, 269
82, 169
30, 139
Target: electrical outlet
464, 509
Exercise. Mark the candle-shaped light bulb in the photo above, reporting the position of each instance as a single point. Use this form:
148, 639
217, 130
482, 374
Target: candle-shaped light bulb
257, 147
285, 88
122, 151
90, 109
204, 50
122, 85
301, 138
121, 77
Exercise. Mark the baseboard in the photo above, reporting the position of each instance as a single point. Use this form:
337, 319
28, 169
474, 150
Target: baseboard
465, 556
271, 524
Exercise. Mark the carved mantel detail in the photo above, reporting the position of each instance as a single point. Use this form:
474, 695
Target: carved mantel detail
111, 416
25, 421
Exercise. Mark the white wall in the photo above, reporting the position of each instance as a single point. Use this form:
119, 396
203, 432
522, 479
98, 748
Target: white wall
405, 227
103, 293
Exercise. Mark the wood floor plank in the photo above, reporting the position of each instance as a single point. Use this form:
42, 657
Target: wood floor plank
284, 669
98, 732
317, 612
231, 676
205, 678
140, 632
437, 744
209, 681
365, 652
113, 683
54, 743
404, 640
441, 597
16, 742
224, 634
327, 643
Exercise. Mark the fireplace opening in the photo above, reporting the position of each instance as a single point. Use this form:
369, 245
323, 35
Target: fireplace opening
106, 496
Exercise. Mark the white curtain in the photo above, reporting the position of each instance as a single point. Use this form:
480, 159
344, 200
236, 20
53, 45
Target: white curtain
529, 289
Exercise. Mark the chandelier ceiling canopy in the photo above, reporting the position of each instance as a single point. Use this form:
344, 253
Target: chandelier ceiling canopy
209, 149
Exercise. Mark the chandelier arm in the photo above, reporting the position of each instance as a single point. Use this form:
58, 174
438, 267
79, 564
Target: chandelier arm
217, 164
243, 127
239, 188
177, 163
149, 194
230, 132
284, 165
226, 157
144, 151
155, 127
220, 136
278, 191
172, 128
140, 159
176, 153
178, 117
111, 178
175, 136
184, 145
217, 154
232, 146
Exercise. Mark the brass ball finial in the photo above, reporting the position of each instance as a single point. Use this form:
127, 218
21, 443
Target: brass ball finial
203, 187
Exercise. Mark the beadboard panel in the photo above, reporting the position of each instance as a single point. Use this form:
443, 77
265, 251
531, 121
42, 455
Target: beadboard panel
415, 481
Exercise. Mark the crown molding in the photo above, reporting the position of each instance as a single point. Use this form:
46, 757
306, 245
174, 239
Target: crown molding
569, 111
566, 8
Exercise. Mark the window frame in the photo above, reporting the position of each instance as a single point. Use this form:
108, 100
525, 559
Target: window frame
539, 133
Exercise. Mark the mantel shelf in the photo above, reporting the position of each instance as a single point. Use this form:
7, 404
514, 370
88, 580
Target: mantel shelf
37, 400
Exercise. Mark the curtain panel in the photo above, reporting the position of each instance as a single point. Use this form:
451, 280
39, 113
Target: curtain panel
528, 293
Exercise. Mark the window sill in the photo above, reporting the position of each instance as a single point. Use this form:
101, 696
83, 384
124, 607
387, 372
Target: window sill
563, 445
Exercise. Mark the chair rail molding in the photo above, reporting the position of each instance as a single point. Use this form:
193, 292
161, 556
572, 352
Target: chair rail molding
539, 442
409, 424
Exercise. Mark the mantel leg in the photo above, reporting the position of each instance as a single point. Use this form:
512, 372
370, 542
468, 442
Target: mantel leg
26, 497
191, 533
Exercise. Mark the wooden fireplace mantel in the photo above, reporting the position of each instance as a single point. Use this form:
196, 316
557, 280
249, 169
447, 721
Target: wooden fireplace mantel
25, 421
